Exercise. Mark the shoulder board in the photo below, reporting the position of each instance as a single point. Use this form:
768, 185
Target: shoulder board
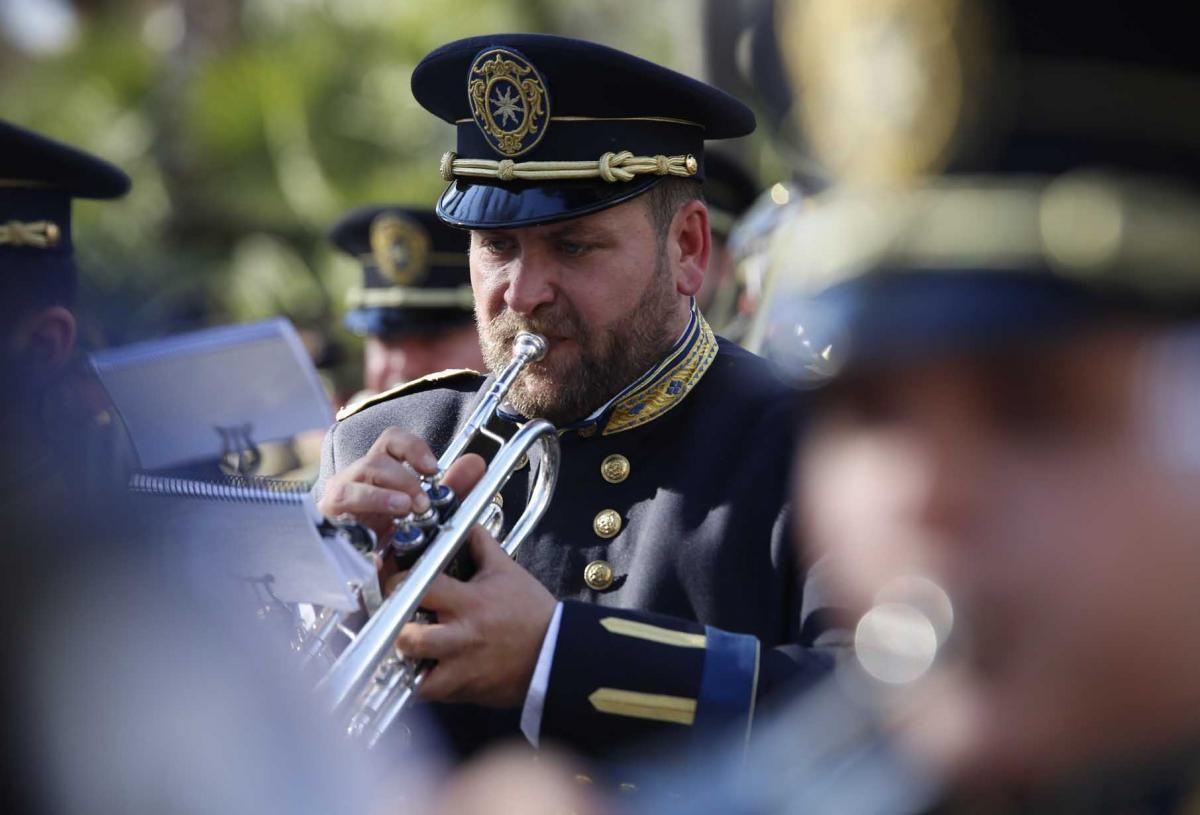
423, 383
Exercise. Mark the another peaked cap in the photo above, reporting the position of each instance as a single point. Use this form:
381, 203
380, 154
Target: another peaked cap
415, 279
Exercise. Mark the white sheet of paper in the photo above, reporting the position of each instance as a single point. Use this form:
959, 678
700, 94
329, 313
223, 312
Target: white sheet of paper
253, 535
174, 394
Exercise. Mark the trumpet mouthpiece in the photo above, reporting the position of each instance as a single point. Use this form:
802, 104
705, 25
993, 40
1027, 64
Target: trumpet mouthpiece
530, 346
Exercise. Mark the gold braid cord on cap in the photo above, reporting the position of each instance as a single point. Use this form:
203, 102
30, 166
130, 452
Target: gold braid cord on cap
611, 167
38, 234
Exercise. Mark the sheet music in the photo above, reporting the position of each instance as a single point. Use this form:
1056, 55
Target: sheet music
175, 395
251, 534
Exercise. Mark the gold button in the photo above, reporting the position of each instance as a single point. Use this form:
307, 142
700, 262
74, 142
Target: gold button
498, 500
607, 523
598, 575
615, 468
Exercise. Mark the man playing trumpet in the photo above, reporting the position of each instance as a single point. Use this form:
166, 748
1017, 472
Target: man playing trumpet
658, 595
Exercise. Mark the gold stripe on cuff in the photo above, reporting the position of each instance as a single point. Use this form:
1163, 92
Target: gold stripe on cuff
653, 633
654, 706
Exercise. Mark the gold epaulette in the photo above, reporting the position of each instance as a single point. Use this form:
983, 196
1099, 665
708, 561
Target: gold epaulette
354, 406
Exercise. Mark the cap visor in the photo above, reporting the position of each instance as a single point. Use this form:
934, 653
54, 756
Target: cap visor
896, 317
391, 322
508, 205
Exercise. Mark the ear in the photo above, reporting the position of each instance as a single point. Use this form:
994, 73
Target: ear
45, 339
691, 245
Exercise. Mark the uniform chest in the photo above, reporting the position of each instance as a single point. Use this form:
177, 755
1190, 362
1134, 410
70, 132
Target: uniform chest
659, 520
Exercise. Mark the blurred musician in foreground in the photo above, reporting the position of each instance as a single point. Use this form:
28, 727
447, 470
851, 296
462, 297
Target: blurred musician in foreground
50, 406
126, 691
136, 694
1002, 465
414, 310
658, 595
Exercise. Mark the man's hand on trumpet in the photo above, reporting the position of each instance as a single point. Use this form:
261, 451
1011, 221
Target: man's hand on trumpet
488, 633
490, 628
385, 483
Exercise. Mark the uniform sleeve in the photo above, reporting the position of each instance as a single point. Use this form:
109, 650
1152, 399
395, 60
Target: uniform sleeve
621, 676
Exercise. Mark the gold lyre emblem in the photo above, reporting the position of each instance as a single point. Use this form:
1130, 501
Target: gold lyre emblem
400, 246
509, 101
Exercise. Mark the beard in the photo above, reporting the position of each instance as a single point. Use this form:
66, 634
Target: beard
565, 390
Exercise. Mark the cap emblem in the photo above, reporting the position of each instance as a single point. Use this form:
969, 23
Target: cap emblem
400, 247
509, 101
884, 84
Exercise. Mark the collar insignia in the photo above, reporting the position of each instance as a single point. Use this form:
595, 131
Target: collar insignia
400, 247
668, 384
509, 101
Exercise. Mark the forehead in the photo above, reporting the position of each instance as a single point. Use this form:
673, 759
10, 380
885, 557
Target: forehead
1094, 370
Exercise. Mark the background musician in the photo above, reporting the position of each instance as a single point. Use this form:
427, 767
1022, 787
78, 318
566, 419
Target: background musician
414, 309
51, 407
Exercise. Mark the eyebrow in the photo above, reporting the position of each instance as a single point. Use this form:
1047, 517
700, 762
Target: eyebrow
578, 232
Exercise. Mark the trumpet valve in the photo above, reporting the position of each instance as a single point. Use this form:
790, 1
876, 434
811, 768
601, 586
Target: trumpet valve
408, 541
441, 498
426, 520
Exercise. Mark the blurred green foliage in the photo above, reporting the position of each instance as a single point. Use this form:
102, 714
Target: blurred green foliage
250, 126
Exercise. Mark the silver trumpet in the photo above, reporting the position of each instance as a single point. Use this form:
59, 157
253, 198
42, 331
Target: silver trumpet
371, 682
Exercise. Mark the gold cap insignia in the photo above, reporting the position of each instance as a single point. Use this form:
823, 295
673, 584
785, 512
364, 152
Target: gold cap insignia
884, 86
509, 101
400, 247
38, 235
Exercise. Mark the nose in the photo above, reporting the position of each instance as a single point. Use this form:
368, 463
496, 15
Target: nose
414, 362
946, 466
531, 283
394, 362
386, 370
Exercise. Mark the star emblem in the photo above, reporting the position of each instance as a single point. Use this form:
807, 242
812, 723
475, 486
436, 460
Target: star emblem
507, 106
509, 101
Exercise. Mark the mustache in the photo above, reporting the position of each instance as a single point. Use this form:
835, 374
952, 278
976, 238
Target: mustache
549, 321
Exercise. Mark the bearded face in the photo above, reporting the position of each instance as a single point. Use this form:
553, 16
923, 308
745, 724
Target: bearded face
587, 365
599, 288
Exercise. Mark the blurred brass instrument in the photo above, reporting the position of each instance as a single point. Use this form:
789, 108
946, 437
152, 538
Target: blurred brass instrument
371, 682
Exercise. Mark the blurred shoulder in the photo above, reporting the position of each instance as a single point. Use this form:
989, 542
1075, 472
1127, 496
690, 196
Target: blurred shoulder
452, 381
431, 407
747, 377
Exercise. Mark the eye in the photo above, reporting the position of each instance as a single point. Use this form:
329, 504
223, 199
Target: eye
496, 245
572, 249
